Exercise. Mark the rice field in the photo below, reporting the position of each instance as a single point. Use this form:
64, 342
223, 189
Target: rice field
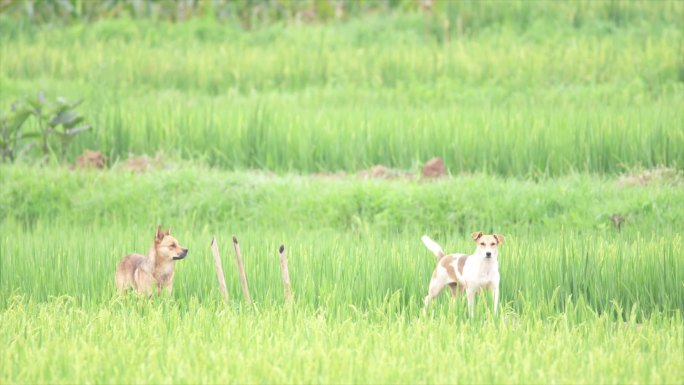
551, 98
563, 132
579, 296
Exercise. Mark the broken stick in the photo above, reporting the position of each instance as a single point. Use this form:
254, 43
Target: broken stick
219, 269
285, 274
243, 278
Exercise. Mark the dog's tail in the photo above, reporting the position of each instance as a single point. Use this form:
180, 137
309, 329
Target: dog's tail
432, 246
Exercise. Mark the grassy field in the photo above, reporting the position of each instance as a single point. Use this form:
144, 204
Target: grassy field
555, 121
550, 98
581, 301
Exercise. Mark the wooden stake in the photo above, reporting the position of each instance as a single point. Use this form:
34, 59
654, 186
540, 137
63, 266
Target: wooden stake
219, 269
285, 274
243, 278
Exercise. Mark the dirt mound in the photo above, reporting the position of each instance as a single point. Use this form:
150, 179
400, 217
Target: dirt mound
655, 175
90, 160
434, 168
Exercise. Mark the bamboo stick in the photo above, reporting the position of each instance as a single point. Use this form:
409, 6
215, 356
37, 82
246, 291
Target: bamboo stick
241, 269
285, 274
219, 269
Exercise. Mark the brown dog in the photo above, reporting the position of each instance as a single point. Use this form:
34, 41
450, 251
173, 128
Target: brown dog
145, 273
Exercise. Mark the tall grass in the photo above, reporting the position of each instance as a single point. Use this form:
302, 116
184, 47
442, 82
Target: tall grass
61, 342
533, 106
345, 272
351, 242
471, 16
581, 301
545, 100
199, 196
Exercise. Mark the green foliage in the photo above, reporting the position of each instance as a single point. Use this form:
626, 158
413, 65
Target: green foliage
535, 106
56, 121
128, 341
358, 270
10, 129
473, 16
559, 234
451, 206
550, 100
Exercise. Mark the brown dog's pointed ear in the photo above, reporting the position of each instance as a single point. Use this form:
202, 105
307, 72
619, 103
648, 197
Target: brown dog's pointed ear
168, 232
499, 238
160, 235
476, 235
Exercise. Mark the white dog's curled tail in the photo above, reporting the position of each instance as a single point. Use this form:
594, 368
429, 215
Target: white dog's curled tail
432, 246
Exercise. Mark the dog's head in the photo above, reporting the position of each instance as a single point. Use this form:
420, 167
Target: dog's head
168, 248
487, 245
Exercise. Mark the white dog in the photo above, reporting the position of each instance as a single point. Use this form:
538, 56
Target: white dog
472, 272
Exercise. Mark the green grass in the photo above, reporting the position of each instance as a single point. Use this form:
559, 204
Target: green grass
549, 99
129, 342
359, 273
537, 109
193, 195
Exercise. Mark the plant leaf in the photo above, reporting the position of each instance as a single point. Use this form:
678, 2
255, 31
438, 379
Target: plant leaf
73, 123
30, 135
63, 117
77, 130
76, 103
18, 119
35, 103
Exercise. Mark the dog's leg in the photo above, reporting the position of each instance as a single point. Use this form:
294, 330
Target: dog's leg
436, 285
121, 281
147, 286
470, 293
168, 286
454, 289
145, 283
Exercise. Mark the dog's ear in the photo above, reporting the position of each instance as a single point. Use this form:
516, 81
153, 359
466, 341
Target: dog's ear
159, 236
499, 238
168, 232
476, 235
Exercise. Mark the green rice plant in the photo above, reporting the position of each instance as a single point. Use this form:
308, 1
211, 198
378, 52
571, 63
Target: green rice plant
331, 270
559, 235
448, 206
549, 100
358, 270
60, 341
472, 16
537, 109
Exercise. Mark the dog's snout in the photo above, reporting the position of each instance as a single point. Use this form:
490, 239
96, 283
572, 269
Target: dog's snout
182, 254
488, 254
